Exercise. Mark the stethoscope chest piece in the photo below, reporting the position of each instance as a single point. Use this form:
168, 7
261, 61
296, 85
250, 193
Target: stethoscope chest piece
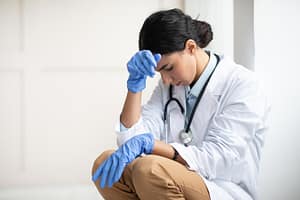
186, 137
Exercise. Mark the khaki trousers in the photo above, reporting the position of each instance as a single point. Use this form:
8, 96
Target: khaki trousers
153, 177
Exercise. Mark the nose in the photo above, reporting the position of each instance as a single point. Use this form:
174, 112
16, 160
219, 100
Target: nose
167, 80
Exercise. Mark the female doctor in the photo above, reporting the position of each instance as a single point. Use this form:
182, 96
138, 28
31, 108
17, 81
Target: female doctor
200, 135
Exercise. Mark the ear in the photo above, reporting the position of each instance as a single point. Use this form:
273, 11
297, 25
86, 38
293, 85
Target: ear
190, 46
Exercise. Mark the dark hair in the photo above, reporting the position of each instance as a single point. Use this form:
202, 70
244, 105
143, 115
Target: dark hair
167, 31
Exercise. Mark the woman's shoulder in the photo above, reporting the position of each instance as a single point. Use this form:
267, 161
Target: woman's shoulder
232, 71
229, 75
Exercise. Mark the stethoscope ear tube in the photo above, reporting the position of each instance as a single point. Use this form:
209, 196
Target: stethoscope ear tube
187, 129
169, 101
171, 98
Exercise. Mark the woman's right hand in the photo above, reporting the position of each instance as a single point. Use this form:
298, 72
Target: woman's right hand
111, 170
141, 65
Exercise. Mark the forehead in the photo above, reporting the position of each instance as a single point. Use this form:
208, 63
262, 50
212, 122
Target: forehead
167, 59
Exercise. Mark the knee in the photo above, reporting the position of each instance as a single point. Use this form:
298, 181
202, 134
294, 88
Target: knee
103, 156
145, 167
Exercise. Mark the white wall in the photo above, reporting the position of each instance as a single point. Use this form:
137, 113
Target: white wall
62, 84
244, 33
277, 43
219, 14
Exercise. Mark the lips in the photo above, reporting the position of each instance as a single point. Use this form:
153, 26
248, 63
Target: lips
178, 83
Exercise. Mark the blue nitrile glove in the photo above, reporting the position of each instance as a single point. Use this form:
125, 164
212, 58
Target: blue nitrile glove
141, 65
111, 169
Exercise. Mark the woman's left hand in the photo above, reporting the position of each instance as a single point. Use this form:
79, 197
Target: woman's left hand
141, 65
111, 169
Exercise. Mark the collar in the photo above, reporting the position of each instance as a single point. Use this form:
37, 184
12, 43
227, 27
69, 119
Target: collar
196, 89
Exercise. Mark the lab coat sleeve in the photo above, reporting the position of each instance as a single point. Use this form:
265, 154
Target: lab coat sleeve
151, 120
229, 134
124, 134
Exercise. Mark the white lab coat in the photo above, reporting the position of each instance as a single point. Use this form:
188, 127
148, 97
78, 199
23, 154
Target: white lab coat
228, 128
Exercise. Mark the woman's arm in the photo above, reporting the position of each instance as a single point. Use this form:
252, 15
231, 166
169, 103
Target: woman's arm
130, 115
140, 66
162, 149
131, 111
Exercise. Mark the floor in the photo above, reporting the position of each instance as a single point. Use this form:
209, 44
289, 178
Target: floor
75, 192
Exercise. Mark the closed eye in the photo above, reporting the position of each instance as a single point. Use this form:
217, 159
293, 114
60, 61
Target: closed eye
169, 68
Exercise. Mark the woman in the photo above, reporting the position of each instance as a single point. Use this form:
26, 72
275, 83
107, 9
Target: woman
200, 135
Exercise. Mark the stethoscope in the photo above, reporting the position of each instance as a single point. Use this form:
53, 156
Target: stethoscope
186, 135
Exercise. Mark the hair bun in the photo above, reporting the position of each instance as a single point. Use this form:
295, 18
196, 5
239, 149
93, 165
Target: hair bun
204, 32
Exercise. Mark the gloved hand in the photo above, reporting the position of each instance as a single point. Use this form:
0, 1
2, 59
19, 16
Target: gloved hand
112, 168
141, 65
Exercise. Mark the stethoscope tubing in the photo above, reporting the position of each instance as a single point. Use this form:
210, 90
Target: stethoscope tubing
167, 104
171, 98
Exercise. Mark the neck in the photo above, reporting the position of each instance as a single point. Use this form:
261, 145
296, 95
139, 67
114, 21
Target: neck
202, 59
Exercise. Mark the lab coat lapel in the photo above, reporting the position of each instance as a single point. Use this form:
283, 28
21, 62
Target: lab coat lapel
205, 110
208, 105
